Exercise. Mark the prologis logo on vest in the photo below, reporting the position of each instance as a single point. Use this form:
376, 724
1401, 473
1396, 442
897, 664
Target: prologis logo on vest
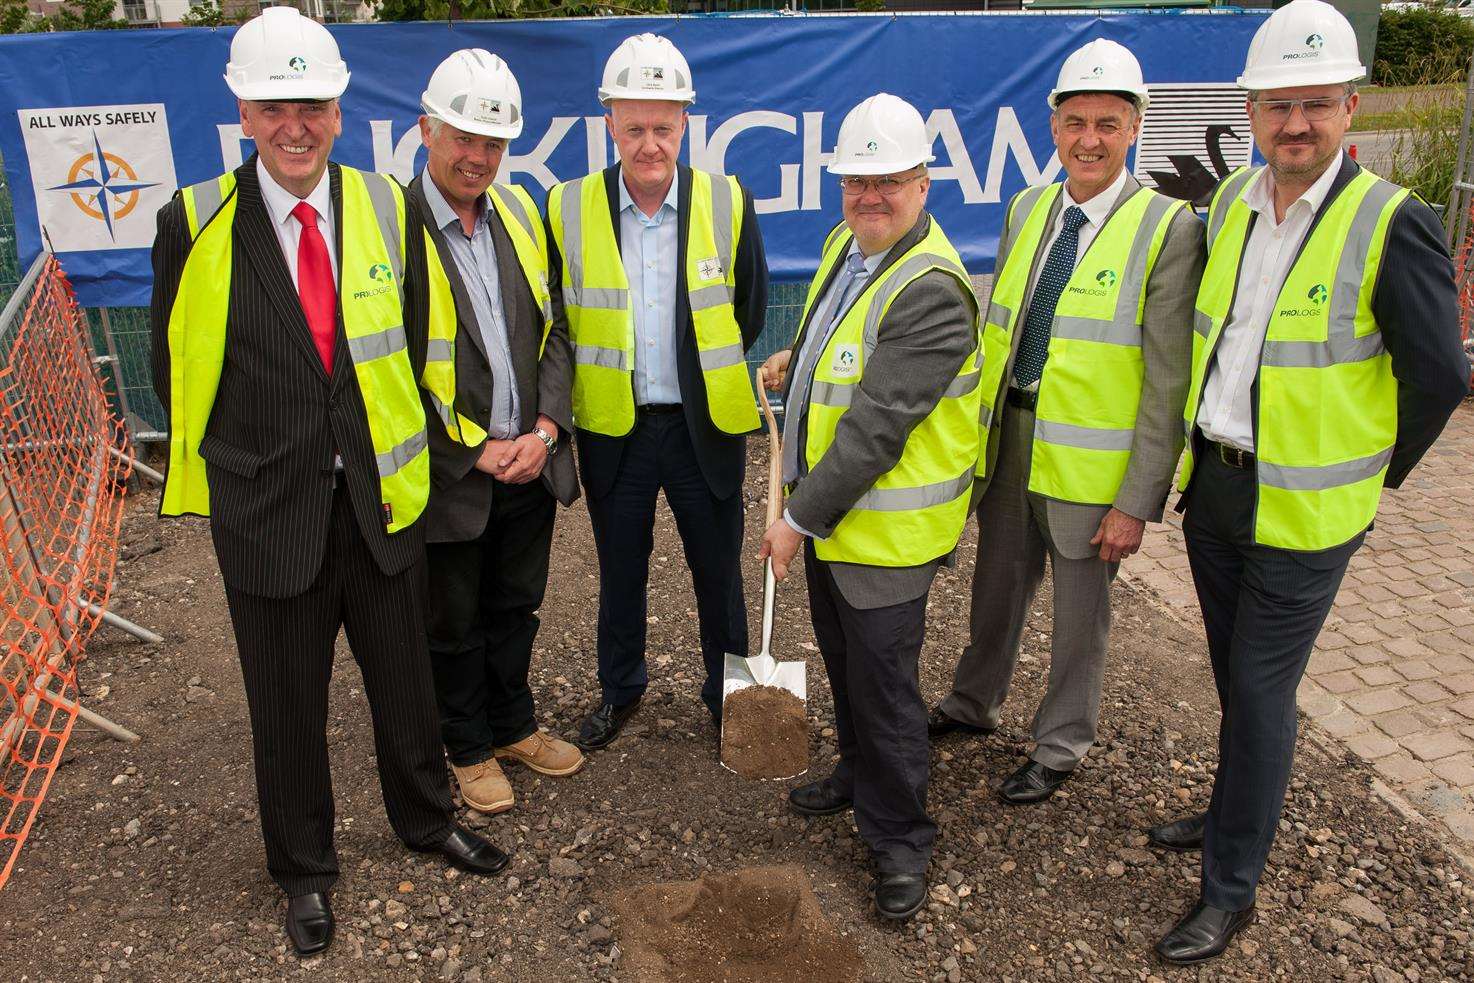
380, 274
1318, 294
1106, 278
846, 362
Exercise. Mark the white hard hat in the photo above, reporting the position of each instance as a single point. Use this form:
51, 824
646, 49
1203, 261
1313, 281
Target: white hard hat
1305, 42
1100, 66
282, 55
882, 135
647, 66
475, 91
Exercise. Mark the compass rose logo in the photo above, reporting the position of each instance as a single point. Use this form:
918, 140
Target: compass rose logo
103, 185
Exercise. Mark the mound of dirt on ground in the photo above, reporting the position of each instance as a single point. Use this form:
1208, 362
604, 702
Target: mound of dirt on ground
754, 925
765, 733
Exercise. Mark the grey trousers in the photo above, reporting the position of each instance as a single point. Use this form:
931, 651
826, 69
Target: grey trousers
1016, 531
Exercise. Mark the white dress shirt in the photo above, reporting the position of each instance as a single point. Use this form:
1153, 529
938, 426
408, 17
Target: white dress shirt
1096, 210
279, 205
649, 247
1226, 414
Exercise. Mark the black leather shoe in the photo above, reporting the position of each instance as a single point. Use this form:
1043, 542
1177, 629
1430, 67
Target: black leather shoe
603, 725
899, 896
309, 923
939, 724
1202, 934
471, 853
1183, 836
1031, 783
821, 798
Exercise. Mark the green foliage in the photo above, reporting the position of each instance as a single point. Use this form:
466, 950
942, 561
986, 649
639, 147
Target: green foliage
1427, 150
77, 15
401, 10
1410, 43
870, 6
207, 13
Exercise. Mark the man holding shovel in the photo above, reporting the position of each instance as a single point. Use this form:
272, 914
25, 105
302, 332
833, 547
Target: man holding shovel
880, 444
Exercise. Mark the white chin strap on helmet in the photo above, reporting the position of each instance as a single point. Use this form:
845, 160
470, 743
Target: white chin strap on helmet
647, 66
1305, 42
281, 55
474, 90
882, 135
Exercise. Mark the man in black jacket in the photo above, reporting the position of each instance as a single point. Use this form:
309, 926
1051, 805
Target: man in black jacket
1327, 362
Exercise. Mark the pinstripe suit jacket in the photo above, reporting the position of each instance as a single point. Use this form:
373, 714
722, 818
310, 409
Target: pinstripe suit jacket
278, 418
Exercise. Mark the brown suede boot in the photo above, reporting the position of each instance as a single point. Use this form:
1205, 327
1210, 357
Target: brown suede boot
544, 753
484, 787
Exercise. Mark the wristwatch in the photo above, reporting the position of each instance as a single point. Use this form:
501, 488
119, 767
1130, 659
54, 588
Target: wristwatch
548, 439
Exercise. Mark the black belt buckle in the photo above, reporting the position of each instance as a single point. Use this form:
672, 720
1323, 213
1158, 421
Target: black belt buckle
1234, 457
658, 409
1022, 398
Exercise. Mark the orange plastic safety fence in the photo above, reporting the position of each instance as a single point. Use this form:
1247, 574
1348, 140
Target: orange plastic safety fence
61, 497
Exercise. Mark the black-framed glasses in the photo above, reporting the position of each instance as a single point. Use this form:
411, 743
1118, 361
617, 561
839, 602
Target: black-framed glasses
887, 186
1315, 110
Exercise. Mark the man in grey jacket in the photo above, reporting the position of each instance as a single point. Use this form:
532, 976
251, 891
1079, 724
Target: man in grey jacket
880, 447
489, 521
1089, 349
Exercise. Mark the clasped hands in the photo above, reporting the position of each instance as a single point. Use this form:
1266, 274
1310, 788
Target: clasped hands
516, 462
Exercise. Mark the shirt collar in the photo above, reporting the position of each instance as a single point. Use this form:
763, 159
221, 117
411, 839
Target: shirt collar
872, 263
280, 201
1098, 209
440, 209
1260, 196
625, 201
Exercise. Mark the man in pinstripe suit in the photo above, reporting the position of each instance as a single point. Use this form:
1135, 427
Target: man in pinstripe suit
260, 358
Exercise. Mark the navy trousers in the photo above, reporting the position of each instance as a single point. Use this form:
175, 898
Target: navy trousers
1262, 609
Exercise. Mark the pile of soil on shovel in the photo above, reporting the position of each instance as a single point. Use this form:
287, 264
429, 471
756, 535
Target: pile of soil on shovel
754, 925
765, 733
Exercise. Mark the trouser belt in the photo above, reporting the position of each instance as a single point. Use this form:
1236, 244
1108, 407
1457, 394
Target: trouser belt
1022, 398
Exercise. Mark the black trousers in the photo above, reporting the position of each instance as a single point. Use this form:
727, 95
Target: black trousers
286, 650
884, 753
1262, 609
482, 619
658, 456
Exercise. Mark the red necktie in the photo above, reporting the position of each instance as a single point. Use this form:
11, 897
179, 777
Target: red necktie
315, 284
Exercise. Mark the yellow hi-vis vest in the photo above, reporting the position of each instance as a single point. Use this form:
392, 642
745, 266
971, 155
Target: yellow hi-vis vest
1090, 391
601, 319
1325, 419
529, 241
915, 512
370, 298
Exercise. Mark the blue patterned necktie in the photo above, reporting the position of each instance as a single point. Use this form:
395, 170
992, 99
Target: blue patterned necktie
1033, 347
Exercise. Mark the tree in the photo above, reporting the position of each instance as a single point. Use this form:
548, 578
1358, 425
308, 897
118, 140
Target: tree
207, 13
76, 15
391, 10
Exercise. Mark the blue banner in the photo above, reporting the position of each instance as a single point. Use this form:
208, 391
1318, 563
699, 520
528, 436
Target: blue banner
98, 129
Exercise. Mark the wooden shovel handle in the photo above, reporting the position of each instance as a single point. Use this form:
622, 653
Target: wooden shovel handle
775, 453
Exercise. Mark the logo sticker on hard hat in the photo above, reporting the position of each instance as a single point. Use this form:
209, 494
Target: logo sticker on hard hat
489, 108
1098, 71
298, 64
1315, 41
846, 362
653, 73
100, 173
1318, 294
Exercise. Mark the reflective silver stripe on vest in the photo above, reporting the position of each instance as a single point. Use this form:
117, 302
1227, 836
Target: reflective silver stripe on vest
207, 201
606, 358
919, 497
366, 348
721, 221
600, 298
1022, 209
998, 314
1321, 478
1226, 197
446, 414
896, 278
439, 350
715, 295
1088, 438
1202, 324
720, 358
840, 394
985, 416
573, 236
381, 195
395, 458
514, 205
1122, 328
1342, 346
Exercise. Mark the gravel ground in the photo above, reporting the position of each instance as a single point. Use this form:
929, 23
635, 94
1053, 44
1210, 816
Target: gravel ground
147, 862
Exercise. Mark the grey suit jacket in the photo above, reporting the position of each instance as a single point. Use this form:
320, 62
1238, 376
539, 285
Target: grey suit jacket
460, 495
926, 335
1166, 339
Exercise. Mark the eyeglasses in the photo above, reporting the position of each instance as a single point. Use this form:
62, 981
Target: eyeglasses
887, 186
1315, 110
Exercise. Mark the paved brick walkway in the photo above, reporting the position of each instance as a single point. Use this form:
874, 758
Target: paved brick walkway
1393, 672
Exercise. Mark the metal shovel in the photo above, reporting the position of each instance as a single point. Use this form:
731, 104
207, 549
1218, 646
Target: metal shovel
762, 669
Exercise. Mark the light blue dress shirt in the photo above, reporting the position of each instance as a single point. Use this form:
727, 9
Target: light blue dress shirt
475, 259
648, 246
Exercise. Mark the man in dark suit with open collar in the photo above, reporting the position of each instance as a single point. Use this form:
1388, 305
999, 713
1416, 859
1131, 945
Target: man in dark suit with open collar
264, 338
489, 523
671, 411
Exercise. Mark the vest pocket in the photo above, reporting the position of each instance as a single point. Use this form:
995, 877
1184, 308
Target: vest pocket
236, 460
